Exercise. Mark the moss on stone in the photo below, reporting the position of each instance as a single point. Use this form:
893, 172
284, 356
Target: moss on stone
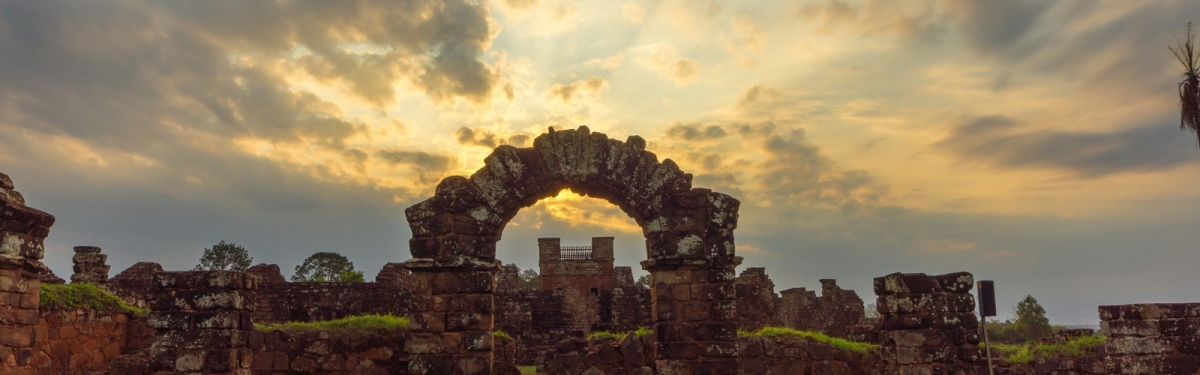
860, 348
361, 324
70, 297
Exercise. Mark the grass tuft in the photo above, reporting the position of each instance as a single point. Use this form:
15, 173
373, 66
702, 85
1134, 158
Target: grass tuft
1025, 353
69, 297
361, 324
501, 334
528, 370
605, 334
642, 331
860, 348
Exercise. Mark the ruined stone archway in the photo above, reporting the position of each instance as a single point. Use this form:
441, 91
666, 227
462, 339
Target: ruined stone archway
689, 245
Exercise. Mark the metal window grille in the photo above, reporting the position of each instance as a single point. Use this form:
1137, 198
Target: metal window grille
575, 252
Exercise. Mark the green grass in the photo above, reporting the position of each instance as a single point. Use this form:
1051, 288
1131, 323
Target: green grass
361, 324
1025, 353
641, 331
860, 348
501, 334
69, 297
528, 370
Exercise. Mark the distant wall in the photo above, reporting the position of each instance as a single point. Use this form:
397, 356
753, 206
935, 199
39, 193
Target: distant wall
281, 301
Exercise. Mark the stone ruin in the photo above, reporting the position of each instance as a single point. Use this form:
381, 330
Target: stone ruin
456, 293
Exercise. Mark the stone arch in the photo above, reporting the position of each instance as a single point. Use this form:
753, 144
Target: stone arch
689, 245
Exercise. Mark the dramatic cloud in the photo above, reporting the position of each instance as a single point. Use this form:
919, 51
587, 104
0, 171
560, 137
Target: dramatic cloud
592, 86
665, 60
1003, 143
485, 138
693, 132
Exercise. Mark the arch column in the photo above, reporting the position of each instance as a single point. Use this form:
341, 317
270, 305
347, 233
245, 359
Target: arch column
452, 316
695, 317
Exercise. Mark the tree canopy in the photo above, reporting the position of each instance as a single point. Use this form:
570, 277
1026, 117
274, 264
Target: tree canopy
326, 266
224, 257
1031, 322
529, 280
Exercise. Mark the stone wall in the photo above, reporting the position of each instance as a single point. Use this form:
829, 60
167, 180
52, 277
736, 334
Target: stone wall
314, 301
1152, 338
833, 313
632, 354
628, 303
22, 232
757, 304
927, 323
203, 322
796, 356
84, 341
280, 352
135, 284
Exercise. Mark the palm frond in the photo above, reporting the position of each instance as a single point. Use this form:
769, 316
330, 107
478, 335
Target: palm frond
1189, 89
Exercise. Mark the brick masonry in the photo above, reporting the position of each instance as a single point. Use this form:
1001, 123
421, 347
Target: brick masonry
22, 232
1152, 338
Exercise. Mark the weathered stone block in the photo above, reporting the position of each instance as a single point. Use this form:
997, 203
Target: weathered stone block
677, 350
465, 282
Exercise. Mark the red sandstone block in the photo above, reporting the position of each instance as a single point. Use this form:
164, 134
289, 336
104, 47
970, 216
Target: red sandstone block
468, 321
16, 335
723, 310
469, 282
716, 331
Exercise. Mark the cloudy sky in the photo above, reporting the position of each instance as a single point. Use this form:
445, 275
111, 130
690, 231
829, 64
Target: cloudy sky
1034, 143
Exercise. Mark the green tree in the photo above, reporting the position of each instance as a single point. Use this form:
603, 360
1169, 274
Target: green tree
643, 281
529, 280
1189, 88
224, 256
325, 266
1031, 322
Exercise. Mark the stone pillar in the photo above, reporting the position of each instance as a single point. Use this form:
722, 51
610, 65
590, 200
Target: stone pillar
202, 322
1151, 338
602, 248
928, 323
90, 266
22, 232
452, 317
695, 319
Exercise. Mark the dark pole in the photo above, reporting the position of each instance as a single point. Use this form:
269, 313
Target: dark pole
987, 307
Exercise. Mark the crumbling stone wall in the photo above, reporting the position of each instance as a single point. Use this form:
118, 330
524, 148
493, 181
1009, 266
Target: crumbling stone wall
281, 301
203, 322
135, 284
580, 279
689, 238
630, 303
84, 341
22, 232
833, 313
757, 302
280, 353
631, 354
792, 355
90, 266
1152, 338
927, 323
